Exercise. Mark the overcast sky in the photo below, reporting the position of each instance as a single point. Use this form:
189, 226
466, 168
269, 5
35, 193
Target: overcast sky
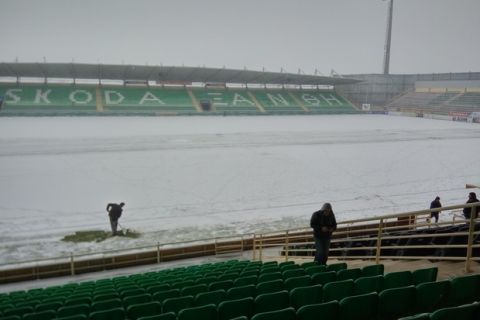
345, 35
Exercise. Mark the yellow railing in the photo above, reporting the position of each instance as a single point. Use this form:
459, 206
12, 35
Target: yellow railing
264, 245
377, 231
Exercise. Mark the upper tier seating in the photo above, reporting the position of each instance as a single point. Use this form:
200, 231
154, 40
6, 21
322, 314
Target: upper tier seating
49, 99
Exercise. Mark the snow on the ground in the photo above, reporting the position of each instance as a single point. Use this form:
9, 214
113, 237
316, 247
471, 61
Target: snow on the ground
201, 177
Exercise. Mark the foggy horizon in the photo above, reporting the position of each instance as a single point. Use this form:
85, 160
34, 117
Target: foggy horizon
429, 36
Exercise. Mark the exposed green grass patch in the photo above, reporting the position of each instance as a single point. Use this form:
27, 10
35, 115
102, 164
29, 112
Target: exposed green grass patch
98, 235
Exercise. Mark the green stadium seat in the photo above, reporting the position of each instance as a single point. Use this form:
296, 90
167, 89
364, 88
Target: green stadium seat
269, 276
143, 310
163, 316
110, 314
283, 314
397, 279
249, 273
424, 275
302, 296
308, 264
42, 315
228, 276
272, 301
244, 281
464, 290
11, 318
68, 311
361, 307
269, 269
18, 311
162, 295
311, 270
349, 274
396, 303
464, 312
288, 265
230, 309
211, 297
106, 304
206, 312
337, 266
79, 300
206, 280
292, 273
217, 285
295, 282
328, 311
337, 290
132, 292
141, 298
324, 277
270, 286
432, 296
241, 292
176, 304
421, 316
182, 284
368, 284
108, 296
373, 270
157, 288
75, 317
48, 306
194, 290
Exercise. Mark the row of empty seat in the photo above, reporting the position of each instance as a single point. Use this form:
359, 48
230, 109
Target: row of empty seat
217, 291
78, 99
440, 103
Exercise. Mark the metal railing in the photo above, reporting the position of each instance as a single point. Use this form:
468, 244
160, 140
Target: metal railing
265, 245
378, 232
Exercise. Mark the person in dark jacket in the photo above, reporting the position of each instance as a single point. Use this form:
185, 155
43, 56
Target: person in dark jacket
472, 198
323, 223
114, 212
435, 204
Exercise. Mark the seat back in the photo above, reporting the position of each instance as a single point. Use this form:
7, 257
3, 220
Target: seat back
397, 279
432, 296
143, 309
337, 290
349, 274
361, 307
270, 286
327, 310
272, 301
424, 275
206, 312
324, 277
241, 292
464, 312
230, 309
176, 304
373, 270
368, 284
396, 303
302, 296
295, 282
211, 297
283, 314
111, 314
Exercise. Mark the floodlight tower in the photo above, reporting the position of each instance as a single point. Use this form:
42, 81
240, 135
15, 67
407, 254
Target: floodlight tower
388, 39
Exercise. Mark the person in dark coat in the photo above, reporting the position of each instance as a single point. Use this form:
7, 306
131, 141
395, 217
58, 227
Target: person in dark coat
472, 198
435, 204
114, 212
323, 223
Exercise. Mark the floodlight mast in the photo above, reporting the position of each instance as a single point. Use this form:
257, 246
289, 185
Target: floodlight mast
388, 39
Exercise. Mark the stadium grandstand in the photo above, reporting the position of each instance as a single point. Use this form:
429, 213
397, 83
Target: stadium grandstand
64, 89
399, 266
